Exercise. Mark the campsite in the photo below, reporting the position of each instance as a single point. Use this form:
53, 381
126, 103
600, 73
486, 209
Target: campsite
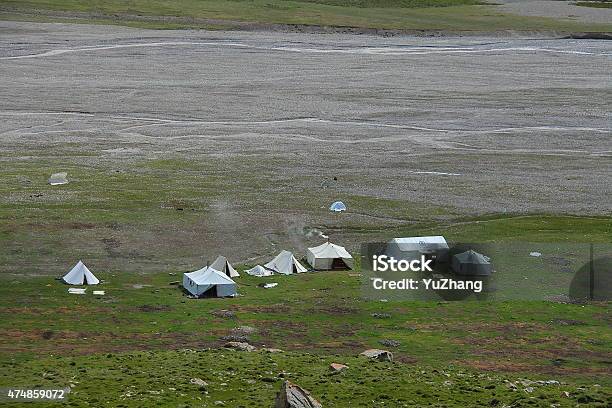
315, 318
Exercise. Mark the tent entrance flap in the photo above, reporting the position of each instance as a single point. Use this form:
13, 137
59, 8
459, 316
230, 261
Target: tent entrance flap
210, 293
339, 264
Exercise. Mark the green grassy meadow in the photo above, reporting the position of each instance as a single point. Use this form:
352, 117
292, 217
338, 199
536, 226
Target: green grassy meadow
240, 379
596, 4
453, 15
143, 341
140, 224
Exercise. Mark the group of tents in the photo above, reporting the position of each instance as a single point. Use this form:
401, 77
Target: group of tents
460, 261
216, 279
326, 256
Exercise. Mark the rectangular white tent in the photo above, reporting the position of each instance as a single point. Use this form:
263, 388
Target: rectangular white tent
410, 248
209, 282
329, 256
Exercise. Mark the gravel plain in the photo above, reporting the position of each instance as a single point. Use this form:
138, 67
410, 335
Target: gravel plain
476, 125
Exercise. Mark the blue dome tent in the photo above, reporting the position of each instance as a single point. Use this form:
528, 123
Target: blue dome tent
338, 206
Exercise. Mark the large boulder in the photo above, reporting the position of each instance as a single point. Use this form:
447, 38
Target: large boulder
376, 354
293, 396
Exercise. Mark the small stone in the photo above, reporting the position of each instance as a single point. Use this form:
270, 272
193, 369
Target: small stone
376, 354
57, 179
238, 345
337, 367
235, 337
244, 330
390, 343
226, 314
199, 382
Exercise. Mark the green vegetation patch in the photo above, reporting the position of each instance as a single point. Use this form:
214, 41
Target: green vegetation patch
394, 3
242, 379
453, 15
596, 4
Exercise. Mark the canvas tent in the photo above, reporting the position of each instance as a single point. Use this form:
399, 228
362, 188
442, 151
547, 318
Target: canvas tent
209, 282
285, 263
338, 206
222, 265
80, 275
259, 270
329, 256
471, 263
409, 248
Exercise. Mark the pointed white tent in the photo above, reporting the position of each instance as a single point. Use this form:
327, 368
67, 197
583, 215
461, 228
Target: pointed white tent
285, 263
337, 206
80, 275
209, 282
259, 270
329, 256
222, 265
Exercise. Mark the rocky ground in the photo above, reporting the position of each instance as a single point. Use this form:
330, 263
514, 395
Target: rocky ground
250, 136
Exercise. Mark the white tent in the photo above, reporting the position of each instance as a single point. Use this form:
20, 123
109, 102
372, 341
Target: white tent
407, 244
222, 265
80, 275
285, 263
329, 256
337, 206
409, 248
259, 270
209, 282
